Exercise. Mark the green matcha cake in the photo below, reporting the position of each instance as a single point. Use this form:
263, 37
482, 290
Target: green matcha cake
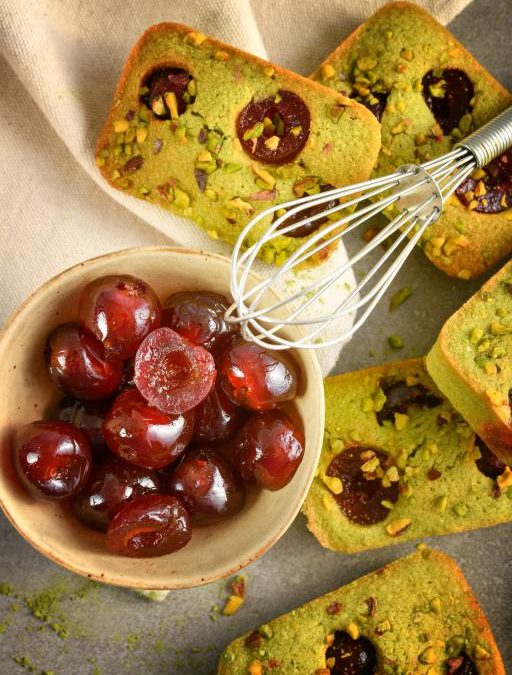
399, 463
217, 135
415, 616
428, 92
470, 363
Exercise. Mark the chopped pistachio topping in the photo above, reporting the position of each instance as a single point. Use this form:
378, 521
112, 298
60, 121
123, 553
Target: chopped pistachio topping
399, 297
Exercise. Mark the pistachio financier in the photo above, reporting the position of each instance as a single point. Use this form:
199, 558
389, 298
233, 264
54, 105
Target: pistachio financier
428, 92
217, 135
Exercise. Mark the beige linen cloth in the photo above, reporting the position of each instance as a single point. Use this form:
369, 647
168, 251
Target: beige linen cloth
59, 65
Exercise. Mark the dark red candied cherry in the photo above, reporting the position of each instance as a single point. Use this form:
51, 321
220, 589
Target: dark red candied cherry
143, 435
112, 483
88, 416
53, 459
255, 378
217, 418
461, 665
269, 448
497, 182
171, 373
167, 92
488, 463
198, 316
77, 363
400, 396
149, 526
308, 228
351, 657
120, 310
274, 129
207, 485
363, 493
448, 95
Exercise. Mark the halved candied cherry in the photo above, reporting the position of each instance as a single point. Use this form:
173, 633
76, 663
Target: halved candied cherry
488, 463
198, 316
53, 459
77, 363
207, 485
255, 378
168, 91
217, 418
448, 95
274, 129
149, 526
120, 310
88, 416
143, 435
461, 665
269, 448
490, 188
171, 373
363, 491
400, 396
308, 228
112, 483
351, 656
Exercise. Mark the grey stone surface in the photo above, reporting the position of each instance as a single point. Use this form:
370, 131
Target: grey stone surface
117, 632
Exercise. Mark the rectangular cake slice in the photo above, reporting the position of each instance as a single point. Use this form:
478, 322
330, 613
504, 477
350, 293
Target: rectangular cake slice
399, 463
470, 362
428, 92
217, 135
416, 616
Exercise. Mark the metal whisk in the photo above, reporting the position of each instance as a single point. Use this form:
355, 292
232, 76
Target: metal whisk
416, 192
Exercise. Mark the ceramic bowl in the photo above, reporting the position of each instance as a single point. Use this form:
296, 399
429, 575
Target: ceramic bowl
27, 394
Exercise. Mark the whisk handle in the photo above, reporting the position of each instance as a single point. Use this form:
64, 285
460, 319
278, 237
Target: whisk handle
490, 140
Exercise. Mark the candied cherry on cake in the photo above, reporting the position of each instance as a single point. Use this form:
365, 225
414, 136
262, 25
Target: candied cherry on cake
198, 316
53, 459
77, 363
88, 416
112, 483
253, 377
274, 129
217, 418
148, 526
351, 657
308, 228
207, 485
363, 493
268, 449
120, 310
171, 373
143, 435
168, 91
448, 94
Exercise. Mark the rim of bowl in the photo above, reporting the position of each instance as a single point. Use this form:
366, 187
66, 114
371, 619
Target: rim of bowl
173, 584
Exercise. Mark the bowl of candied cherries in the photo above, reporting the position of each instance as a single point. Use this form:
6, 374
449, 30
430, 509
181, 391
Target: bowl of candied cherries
145, 442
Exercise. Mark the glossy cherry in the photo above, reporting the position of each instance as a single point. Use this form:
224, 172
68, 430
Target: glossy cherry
207, 485
255, 378
149, 526
198, 316
120, 310
217, 418
159, 83
77, 363
112, 483
143, 435
453, 97
88, 416
269, 448
171, 373
53, 459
